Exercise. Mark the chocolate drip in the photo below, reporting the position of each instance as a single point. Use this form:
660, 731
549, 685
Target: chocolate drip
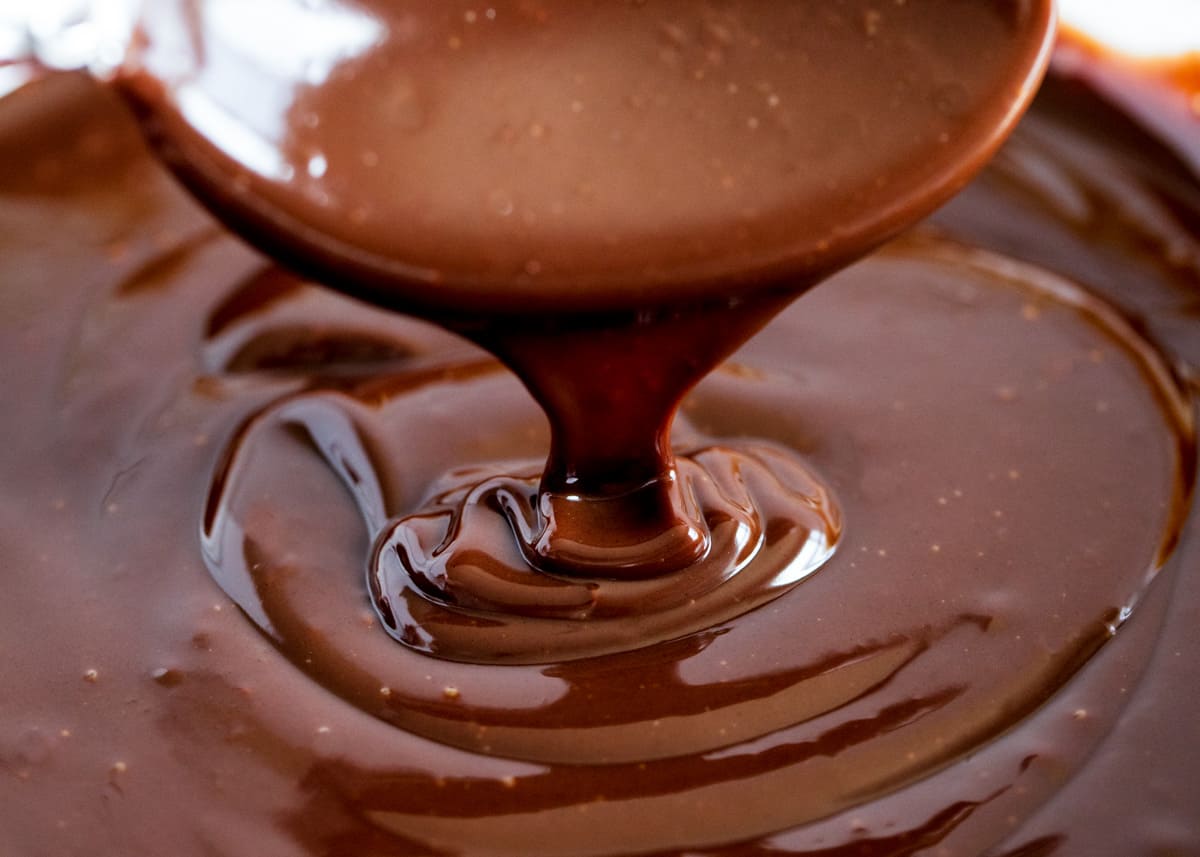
598, 228
995, 660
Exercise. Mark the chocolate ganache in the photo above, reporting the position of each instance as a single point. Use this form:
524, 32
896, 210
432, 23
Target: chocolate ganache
599, 228
1012, 459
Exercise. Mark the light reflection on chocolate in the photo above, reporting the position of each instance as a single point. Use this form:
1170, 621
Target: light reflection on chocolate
931, 687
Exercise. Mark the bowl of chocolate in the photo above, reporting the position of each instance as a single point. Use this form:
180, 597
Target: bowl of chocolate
596, 428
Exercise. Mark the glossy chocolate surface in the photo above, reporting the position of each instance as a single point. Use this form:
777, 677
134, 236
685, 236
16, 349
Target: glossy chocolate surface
543, 155
998, 659
611, 231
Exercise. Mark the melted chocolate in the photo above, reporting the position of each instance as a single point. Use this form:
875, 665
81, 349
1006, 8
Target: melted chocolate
1014, 460
601, 230
546, 155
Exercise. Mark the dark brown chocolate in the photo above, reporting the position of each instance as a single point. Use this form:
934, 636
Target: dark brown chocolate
999, 659
459, 161
610, 231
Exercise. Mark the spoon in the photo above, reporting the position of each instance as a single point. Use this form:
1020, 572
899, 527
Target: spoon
551, 156
609, 196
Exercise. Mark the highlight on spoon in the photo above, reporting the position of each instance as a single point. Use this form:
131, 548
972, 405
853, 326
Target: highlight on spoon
610, 230
423, 154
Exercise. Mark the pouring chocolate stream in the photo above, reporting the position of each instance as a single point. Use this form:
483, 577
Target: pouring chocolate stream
611, 198
912, 696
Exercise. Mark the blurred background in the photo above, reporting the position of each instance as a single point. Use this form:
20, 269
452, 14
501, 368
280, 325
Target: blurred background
1140, 28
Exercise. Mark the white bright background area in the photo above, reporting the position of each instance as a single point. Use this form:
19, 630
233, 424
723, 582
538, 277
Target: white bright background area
1143, 28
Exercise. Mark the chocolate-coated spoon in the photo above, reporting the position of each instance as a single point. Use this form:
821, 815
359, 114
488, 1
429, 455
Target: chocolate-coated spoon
550, 155
610, 196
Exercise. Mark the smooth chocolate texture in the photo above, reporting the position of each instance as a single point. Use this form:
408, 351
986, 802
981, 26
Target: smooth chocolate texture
544, 155
1012, 457
611, 230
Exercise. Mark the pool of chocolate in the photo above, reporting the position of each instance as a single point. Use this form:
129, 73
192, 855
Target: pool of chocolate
1002, 657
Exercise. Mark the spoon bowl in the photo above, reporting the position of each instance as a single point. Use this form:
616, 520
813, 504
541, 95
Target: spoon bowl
557, 157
